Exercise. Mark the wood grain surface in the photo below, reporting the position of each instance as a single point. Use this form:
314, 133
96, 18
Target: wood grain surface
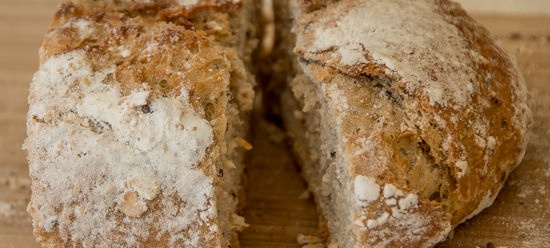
278, 207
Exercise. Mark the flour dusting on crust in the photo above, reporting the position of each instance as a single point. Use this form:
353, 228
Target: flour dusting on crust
415, 45
416, 90
81, 120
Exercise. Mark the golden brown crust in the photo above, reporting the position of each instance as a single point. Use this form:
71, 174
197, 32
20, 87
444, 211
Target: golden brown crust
173, 53
186, 32
455, 109
505, 90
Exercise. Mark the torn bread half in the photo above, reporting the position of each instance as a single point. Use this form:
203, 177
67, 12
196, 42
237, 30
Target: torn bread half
405, 116
137, 123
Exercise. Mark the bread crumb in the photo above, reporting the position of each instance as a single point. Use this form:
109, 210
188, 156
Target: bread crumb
308, 239
305, 195
238, 222
243, 143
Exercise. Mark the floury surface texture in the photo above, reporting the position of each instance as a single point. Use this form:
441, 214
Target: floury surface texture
406, 117
134, 124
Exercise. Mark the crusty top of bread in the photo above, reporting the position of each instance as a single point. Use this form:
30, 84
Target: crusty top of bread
151, 30
144, 83
462, 98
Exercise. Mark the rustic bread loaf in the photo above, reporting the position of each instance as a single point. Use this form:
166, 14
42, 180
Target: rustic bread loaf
405, 116
136, 124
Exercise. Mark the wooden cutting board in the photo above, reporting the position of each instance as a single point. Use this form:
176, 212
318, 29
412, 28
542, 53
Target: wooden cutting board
278, 207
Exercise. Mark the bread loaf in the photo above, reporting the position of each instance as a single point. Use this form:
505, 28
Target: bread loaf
137, 123
405, 116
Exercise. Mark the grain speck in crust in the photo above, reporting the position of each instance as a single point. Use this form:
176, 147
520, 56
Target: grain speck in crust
145, 185
130, 205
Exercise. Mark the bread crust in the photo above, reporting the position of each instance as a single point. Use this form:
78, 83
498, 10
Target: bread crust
163, 84
420, 98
